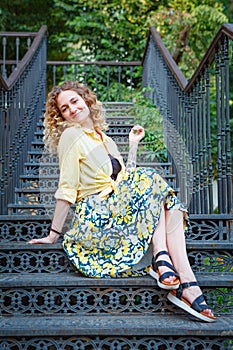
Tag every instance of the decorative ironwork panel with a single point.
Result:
(101, 300)
(120, 120)
(210, 229)
(29, 210)
(117, 109)
(37, 146)
(201, 230)
(211, 261)
(35, 261)
(116, 343)
(19, 260)
(20, 230)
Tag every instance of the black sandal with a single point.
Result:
(196, 308)
(154, 272)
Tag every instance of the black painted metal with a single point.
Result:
(14, 46)
(188, 112)
(121, 342)
(111, 81)
(22, 97)
(21, 258)
(59, 293)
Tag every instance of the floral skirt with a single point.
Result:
(110, 236)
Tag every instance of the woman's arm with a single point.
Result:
(135, 136)
(61, 210)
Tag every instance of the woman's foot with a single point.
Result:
(190, 298)
(164, 272)
(52, 238)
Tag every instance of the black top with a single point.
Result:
(116, 167)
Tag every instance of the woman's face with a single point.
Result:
(74, 109)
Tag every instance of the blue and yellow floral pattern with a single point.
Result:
(109, 236)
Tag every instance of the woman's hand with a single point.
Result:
(52, 238)
(60, 214)
(136, 133)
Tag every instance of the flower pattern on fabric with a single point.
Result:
(109, 236)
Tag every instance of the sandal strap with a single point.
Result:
(166, 275)
(156, 265)
(196, 304)
(162, 252)
(179, 291)
(189, 284)
(167, 264)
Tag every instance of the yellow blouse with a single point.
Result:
(85, 167)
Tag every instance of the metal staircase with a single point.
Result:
(46, 304)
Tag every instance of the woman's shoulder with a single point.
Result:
(70, 134)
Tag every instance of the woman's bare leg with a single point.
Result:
(159, 243)
(176, 245)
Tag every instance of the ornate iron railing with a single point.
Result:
(196, 120)
(111, 81)
(22, 97)
(14, 47)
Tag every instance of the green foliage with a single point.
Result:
(103, 30)
(187, 29)
(148, 115)
(117, 29)
(26, 15)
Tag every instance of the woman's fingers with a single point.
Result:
(136, 133)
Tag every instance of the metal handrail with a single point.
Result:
(111, 80)
(187, 108)
(180, 78)
(226, 29)
(13, 78)
(18, 34)
(97, 63)
(22, 98)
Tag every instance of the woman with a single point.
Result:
(120, 210)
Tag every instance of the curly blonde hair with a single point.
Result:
(55, 124)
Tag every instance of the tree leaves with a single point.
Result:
(187, 29)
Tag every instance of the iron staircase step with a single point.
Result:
(55, 176)
(114, 326)
(121, 141)
(18, 257)
(114, 332)
(73, 279)
(114, 129)
(111, 120)
(69, 293)
(11, 243)
(38, 157)
(205, 228)
(142, 161)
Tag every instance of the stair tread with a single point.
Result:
(191, 216)
(14, 245)
(161, 325)
(40, 142)
(51, 176)
(110, 125)
(38, 163)
(74, 279)
(30, 206)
